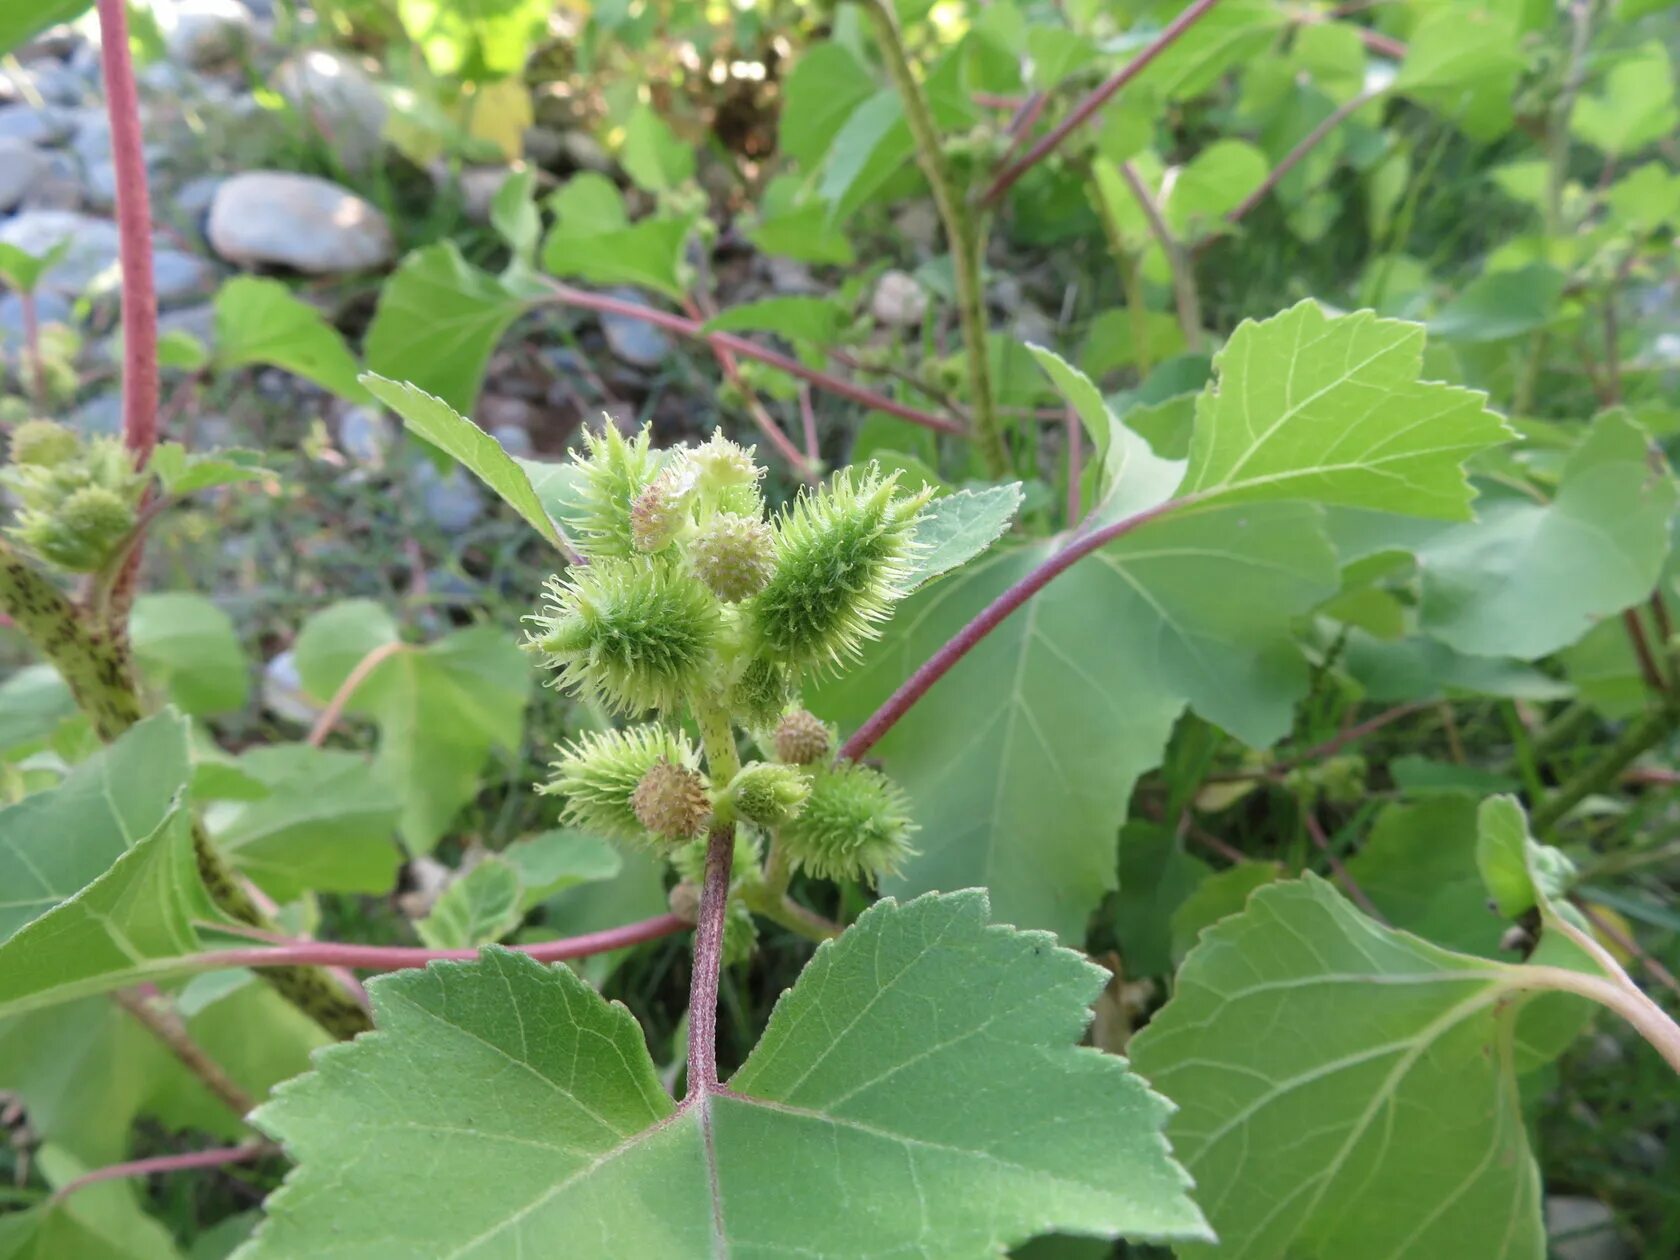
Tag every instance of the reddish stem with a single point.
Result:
(987, 620)
(134, 225)
(32, 345)
(1343, 876)
(1648, 669)
(219, 1157)
(1099, 97)
(347, 690)
(1377, 42)
(708, 963)
(1298, 154)
(808, 419)
(608, 304)
(763, 419)
(398, 957)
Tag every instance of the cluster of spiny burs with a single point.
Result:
(76, 501)
(692, 603)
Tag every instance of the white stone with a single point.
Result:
(20, 167)
(898, 300)
(91, 260)
(203, 33)
(1582, 1229)
(297, 221)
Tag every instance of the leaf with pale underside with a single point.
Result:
(445, 428)
(918, 1092)
(1329, 408)
(955, 528)
(1345, 1089)
(480, 906)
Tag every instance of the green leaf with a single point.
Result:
(1210, 185)
(652, 154)
(439, 320)
(513, 213)
(259, 321)
(475, 40)
(480, 906)
(187, 646)
(1156, 875)
(20, 269)
(952, 1101)
(1230, 33)
(593, 240)
(815, 321)
(33, 701)
(555, 861)
(1636, 106)
(1520, 874)
(441, 709)
(824, 88)
(1464, 65)
(1330, 408)
(181, 473)
(445, 428)
(1646, 198)
(1342, 1085)
(1418, 867)
(955, 528)
(1216, 898)
(872, 147)
(1529, 578)
(1501, 305)
(324, 823)
(1108, 442)
(1020, 761)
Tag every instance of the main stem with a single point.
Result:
(962, 232)
(723, 763)
(134, 226)
(1656, 723)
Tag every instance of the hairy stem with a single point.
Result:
(400, 957)
(1642, 734)
(161, 1020)
(723, 763)
(219, 1157)
(134, 224)
(987, 620)
(1185, 295)
(962, 233)
(567, 295)
(1099, 97)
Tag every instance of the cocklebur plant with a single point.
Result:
(76, 500)
(693, 604)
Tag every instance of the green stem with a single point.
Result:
(1645, 733)
(1131, 276)
(962, 232)
(1186, 297)
(97, 670)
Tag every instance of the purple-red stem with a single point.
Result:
(1343, 876)
(398, 957)
(1648, 669)
(219, 1157)
(585, 300)
(32, 345)
(708, 963)
(134, 226)
(808, 419)
(987, 620)
(1099, 97)
(763, 419)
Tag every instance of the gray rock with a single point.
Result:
(1580, 1228)
(297, 221)
(34, 124)
(584, 152)
(60, 85)
(283, 693)
(451, 500)
(20, 167)
(179, 277)
(898, 301)
(479, 186)
(365, 436)
(544, 145)
(918, 223)
(100, 415)
(92, 258)
(635, 341)
(788, 275)
(340, 102)
(203, 34)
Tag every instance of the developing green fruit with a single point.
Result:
(842, 562)
(671, 801)
(855, 825)
(658, 515)
(802, 738)
(632, 635)
(80, 534)
(599, 774)
(761, 693)
(721, 466)
(615, 472)
(43, 444)
(732, 555)
(768, 795)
